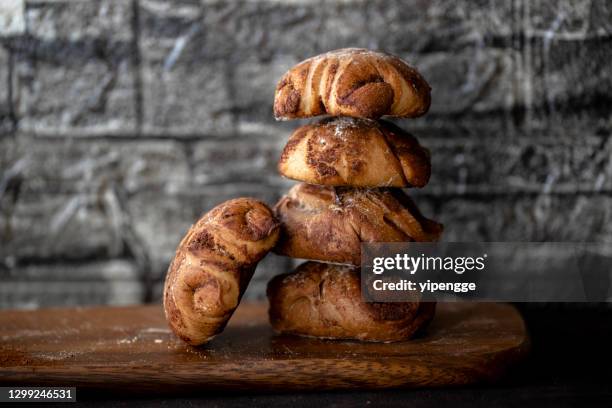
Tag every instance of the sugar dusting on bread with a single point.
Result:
(356, 152)
(329, 223)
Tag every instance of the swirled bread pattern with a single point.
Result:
(213, 265)
(352, 82)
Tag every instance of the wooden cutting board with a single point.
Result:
(131, 349)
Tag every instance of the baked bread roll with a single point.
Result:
(213, 265)
(324, 300)
(330, 223)
(352, 82)
(346, 151)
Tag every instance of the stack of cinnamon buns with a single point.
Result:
(352, 167)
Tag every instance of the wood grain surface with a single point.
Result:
(132, 349)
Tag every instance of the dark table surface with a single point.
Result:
(570, 365)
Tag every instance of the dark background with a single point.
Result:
(122, 121)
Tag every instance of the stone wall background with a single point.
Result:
(121, 121)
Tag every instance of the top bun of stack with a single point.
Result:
(352, 82)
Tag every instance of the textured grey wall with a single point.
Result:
(122, 121)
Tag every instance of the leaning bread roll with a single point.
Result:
(324, 300)
(213, 265)
(344, 151)
(330, 223)
(352, 82)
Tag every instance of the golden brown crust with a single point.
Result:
(352, 82)
(213, 265)
(346, 151)
(324, 300)
(330, 223)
